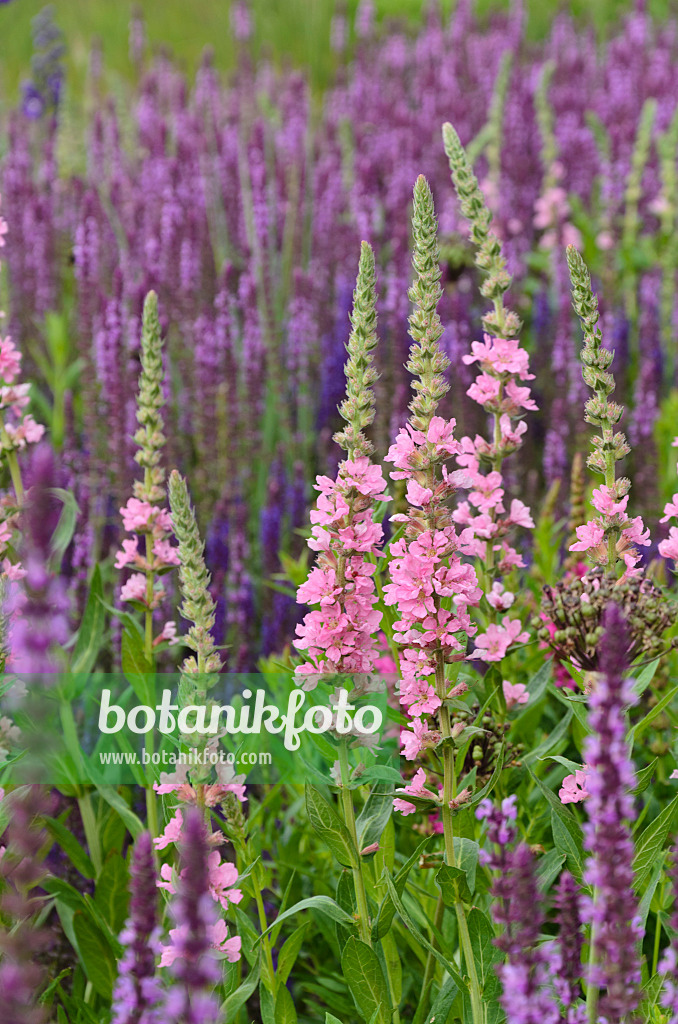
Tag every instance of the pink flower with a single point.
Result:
(636, 533)
(405, 444)
(420, 697)
(10, 360)
(417, 787)
(494, 643)
(519, 398)
(485, 389)
(136, 514)
(604, 500)
(217, 933)
(590, 535)
(519, 515)
(163, 550)
(365, 477)
(500, 355)
(573, 789)
(172, 833)
(514, 693)
(670, 509)
(499, 598)
(128, 554)
(418, 495)
(669, 548)
(222, 878)
(135, 588)
(441, 433)
(169, 634)
(13, 572)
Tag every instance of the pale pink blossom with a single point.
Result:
(605, 501)
(494, 643)
(500, 598)
(136, 514)
(519, 398)
(418, 495)
(172, 833)
(519, 515)
(636, 533)
(514, 693)
(573, 789)
(590, 535)
(135, 588)
(128, 554)
(163, 550)
(10, 360)
(500, 356)
(485, 389)
(669, 548)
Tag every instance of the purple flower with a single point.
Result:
(613, 911)
(190, 1000)
(137, 992)
(526, 994)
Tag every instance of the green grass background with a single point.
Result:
(288, 30)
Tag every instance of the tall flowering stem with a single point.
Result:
(430, 586)
(143, 515)
(614, 962)
(137, 993)
(502, 365)
(612, 535)
(341, 636)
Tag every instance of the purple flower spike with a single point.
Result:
(607, 836)
(190, 1000)
(137, 993)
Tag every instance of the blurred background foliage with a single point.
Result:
(296, 31)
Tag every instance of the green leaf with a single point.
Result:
(566, 842)
(564, 816)
(284, 1008)
(548, 868)
(651, 843)
(65, 528)
(323, 904)
(96, 955)
(640, 727)
(443, 1003)
(445, 963)
(650, 888)
(381, 773)
(111, 895)
(372, 820)
(91, 632)
(387, 909)
(365, 978)
(135, 666)
(644, 777)
(289, 953)
(134, 824)
(237, 999)
(453, 885)
(330, 828)
(485, 952)
(331, 1019)
(71, 847)
(645, 677)
(539, 682)
(555, 737)
(266, 1005)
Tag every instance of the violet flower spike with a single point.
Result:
(614, 961)
(137, 993)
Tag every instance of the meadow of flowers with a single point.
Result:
(372, 390)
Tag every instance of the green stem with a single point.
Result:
(151, 801)
(270, 979)
(349, 820)
(591, 989)
(448, 831)
(431, 960)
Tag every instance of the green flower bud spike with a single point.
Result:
(501, 322)
(427, 362)
(150, 437)
(358, 406)
(194, 579)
